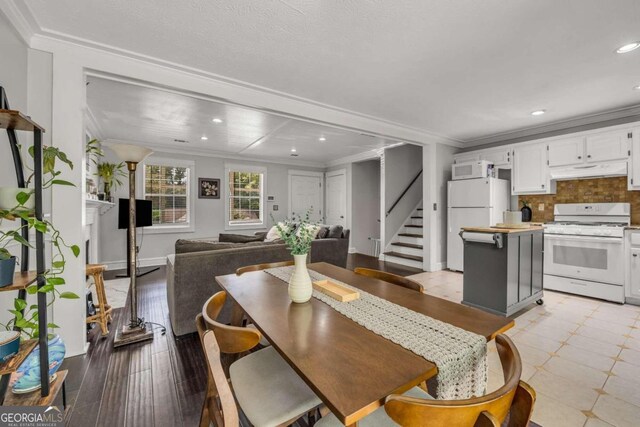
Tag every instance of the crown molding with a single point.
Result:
(20, 19)
(558, 128)
(191, 151)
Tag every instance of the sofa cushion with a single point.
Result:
(240, 238)
(323, 233)
(335, 232)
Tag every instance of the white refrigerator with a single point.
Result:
(477, 202)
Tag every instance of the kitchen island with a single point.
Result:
(503, 268)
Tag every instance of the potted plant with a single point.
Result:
(298, 233)
(111, 175)
(526, 211)
(25, 315)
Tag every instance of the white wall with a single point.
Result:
(444, 160)
(209, 213)
(365, 203)
(401, 165)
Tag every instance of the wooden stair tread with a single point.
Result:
(410, 235)
(11, 365)
(34, 398)
(407, 245)
(419, 209)
(414, 226)
(21, 280)
(405, 256)
(417, 217)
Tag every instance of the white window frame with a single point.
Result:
(190, 226)
(247, 168)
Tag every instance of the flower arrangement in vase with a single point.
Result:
(298, 233)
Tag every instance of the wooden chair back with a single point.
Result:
(515, 398)
(259, 267)
(391, 278)
(231, 339)
(220, 406)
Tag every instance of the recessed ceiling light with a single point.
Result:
(628, 47)
(538, 112)
(293, 150)
(217, 120)
(204, 138)
(636, 87)
(322, 138)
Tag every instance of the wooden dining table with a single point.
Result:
(351, 369)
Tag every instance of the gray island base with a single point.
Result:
(503, 268)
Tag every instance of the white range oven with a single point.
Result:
(584, 250)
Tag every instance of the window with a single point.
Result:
(167, 186)
(245, 196)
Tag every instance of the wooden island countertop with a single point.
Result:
(502, 230)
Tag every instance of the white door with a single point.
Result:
(608, 146)
(336, 209)
(634, 169)
(530, 169)
(305, 192)
(470, 193)
(456, 219)
(565, 152)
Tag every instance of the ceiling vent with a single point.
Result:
(182, 141)
(294, 155)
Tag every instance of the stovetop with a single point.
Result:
(587, 223)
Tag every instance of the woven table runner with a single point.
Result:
(460, 355)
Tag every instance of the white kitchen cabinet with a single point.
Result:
(565, 152)
(500, 157)
(466, 157)
(530, 170)
(607, 146)
(634, 162)
(632, 285)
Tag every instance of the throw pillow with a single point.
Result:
(335, 232)
(274, 234)
(239, 238)
(323, 233)
(313, 230)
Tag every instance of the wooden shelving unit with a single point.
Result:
(13, 121)
(11, 365)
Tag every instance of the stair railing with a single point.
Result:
(408, 187)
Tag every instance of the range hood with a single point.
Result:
(599, 170)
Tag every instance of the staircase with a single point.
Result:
(406, 246)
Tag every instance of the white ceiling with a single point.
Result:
(156, 117)
(462, 68)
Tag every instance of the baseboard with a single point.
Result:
(142, 262)
(352, 250)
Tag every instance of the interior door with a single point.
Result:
(336, 209)
(305, 192)
(608, 146)
(566, 152)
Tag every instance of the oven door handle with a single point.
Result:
(590, 239)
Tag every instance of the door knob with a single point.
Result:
(341, 217)
(579, 157)
(635, 255)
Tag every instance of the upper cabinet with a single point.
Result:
(530, 170)
(607, 146)
(565, 152)
(634, 161)
(466, 157)
(500, 157)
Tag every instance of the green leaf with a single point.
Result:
(16, 314)
(22, 324)
(62, 182)
(46, 288)
(31, 290)
(52, 326)
(18, 238)
(19, 304)
(69, 295)
(76, 250)
(57, 264)
(22, 197)
(56, 281)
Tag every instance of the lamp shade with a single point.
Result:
(131, 153)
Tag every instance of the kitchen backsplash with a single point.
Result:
(598, 190)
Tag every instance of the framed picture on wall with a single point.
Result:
(208, 188)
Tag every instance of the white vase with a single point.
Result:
(300, 288)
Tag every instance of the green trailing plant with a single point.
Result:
(93, 151)
(298, 232)
(25, 315)
(112, 175)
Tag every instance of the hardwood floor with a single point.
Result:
(158, 383)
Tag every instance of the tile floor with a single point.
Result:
(581, 355)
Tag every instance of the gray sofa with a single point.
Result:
(191, 271)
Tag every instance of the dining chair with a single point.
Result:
(259, 267)
(514, 400)
(267, 389)
(390, 278)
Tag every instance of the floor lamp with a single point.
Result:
(136, 330)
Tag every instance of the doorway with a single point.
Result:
(336, 208)
(305, 193)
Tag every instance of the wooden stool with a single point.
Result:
(103, 316)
